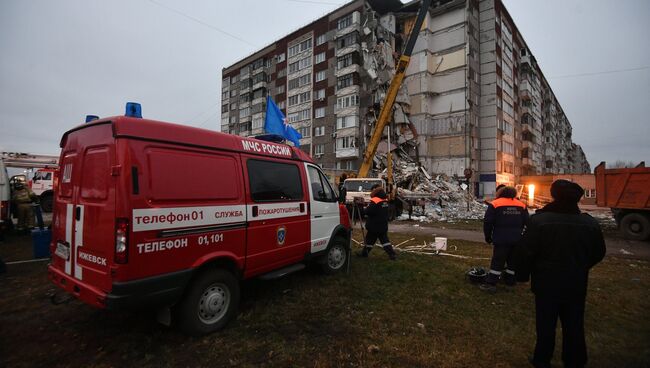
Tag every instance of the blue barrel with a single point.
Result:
(41, 242)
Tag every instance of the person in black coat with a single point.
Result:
(377, 223)
(559, 247)
(503, 225)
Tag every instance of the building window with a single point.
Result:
(343, 122)
(224, 95)
(233, 106)
(319, 149)
(258, 122)
(590, 193)
(345, 142)
(299, 116)
(233, 119)
(345, 61)
(320, 76)
(300, 81)
(319, 58)
(321, 39)
(293, 100)
(344, 22)
(305, 132)
(319, 112)
(300, 47)
(282, 73)
(344, 81)
(508, 148)
(260, 107)
(300, 64)
(280, 89)
(300, 98)
(347, 40)
(224, 108)
(508, 167)
(244, 112)
(345, 165)
(224, 120)
(319, 95)
(280, 57)
(347, 101)
(281, 104)
(319, 131)
(233, 93)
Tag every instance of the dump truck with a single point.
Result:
(627, 192)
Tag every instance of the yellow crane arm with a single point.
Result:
(391, 95)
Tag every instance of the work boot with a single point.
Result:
(390, 251)
(509, 278)
(364, 253)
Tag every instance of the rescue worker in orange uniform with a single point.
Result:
(377, 223)
(503, 226)
(23, 197)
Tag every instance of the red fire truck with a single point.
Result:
(155, 214)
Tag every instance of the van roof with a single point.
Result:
(137, 128)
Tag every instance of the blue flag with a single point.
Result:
(276, 123)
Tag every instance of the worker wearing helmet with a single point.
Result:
(377, 223)
(23, 197)
(503, 225)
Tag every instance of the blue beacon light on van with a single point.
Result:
(91, 118)
(133, 109)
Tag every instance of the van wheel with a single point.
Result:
(46, 202)
(210, 303)
(336, 257)
(635, 226)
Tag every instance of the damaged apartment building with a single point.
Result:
(473, 97)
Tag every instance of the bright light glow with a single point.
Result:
(531, 194)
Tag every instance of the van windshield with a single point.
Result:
(360, 185)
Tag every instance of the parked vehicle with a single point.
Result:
(172, 217)
(5, 197)
(627, 192)
(42, 185)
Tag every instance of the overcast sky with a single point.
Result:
(62, 60)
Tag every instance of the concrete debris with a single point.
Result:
(436, 197)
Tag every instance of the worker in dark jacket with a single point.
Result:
(558, 249)
(377, 223)
(503, 225)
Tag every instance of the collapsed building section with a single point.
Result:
(474, 101)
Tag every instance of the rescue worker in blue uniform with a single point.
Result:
(377, 224)
(559, 247)
(503, 225)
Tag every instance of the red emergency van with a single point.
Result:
(155, 214)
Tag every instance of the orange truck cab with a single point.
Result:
(159, 215)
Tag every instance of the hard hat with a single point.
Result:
(476, 275)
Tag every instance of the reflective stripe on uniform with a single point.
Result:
(510, 272)
(495, 272)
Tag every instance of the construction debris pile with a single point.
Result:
(430, 198)
(426, 197)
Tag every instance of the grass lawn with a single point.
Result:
(416, 312)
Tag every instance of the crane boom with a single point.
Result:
(391, 95)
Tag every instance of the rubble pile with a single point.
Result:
(435, 197)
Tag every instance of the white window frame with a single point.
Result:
(319, 112)
(321, 75)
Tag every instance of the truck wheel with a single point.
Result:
(336, 257)
(210, 303)
(46, 202)
(635, 226)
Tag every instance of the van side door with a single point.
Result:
(324, 209)
(278, 220)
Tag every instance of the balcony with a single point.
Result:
(354, 68)
(260, 84)
(525, 90)
(347, 152)
(527, 162)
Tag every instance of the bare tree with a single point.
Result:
(620, 164)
